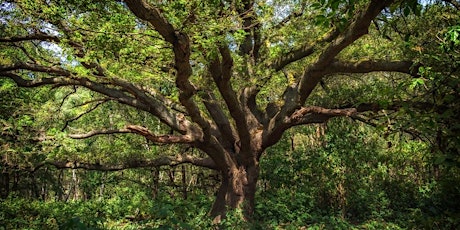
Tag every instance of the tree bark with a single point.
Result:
(237, 191)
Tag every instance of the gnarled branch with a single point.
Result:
(368, 66)
(136, 129)
(221, 74)
(316, 114)
(181, 48)
(357, 28)
(295, 95)
(139, 98)
(320, 110)
(220, 119)
(99, 132)
(303, 51)
(153, 15)
(166, 139)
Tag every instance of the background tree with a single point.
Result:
(209, 71)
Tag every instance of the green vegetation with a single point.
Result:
(321, 182)
(136, 114)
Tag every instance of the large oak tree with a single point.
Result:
(243, 70)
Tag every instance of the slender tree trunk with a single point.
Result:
(155, 181)
(34, 186)
(16, 177)
(184, 182)
(5, 184)
(237, 191)
(75, 185)
(44, 185)
(59, 187)
(172, 182)
(102, 187)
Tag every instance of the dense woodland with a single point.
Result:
(230, 114)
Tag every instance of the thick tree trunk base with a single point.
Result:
(237, 191)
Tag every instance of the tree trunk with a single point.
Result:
(102, 187)
(59, 187)
(155, 181)
(237, 191)
(5, 184)
(75, 185)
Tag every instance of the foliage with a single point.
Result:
(437, 51)
(351, 181)
(339, 180)
(114, 213)
(225, 80)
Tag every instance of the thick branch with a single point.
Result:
(181, 48)
(161, 161)
(162, 139)
(156, 104)
(302, 52)
(254, 116)
(358, 27)
(295, 95)
(153, 15)
(221, 74)
(187, 90)
(313, 118)
(219, 117)
(316, 114)
(320, 110)
(139, 98)
(371, 66)
(99, 132)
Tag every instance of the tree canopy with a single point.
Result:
(230, 77)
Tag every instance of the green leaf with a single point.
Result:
(320, 20)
